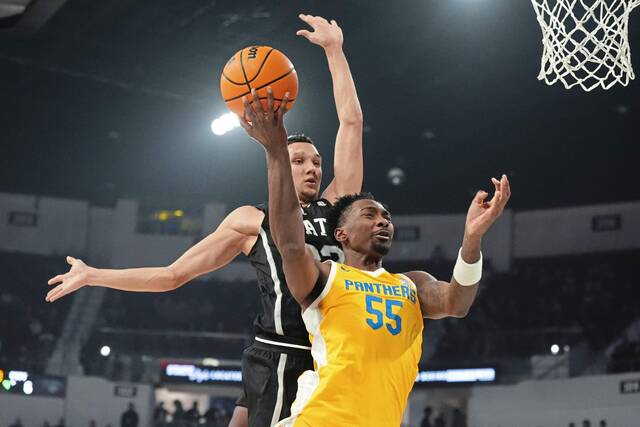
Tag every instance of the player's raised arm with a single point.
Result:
(440, 299)
(237, 233)
(285, 218)
(348, 162)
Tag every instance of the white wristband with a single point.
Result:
(467, 274)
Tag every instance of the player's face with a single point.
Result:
(306, 166)
(367, 228)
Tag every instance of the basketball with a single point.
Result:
(257, 67)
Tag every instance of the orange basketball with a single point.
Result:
(256, 67)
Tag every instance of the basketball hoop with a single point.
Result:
(585, 42)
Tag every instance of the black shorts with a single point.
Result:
(270, 381)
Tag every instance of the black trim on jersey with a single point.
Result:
(280, 319)
(317, 289)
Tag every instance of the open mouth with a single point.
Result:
(383, 235)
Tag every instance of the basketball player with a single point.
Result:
(366, 323)
(281, 351)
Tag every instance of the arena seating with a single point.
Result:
(30, 325)
(562, 300)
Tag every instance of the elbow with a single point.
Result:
(288, 245)
(173, 280)
(291, 250)
(354, 119)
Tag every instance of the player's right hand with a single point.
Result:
(326, 34)
(266, 126)
(73, 280)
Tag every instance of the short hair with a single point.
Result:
(335, 217)
(299, 137)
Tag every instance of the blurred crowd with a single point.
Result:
(30, 326)
(566, 300)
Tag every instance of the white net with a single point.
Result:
(585, 42)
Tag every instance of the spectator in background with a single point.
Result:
(586, 423)
(603, 423)
(129, 417)
(92, 423)
(160, 415)
(46, 424)
(439, 421)
(16, 423)
(212, 415)
(572, 424)
(426, 417)
(178, 413)
(459, 419)
(193, 414)
(60, 423)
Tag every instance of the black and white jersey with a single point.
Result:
(281, 319)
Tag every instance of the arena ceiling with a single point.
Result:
(114, 98)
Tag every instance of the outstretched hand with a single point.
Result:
(482, 214)
(326, 34)
(265, 126)
(75, 279)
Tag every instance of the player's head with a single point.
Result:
(306, 165)
(361, 224)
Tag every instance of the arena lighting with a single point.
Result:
(224, 124)
(27, 387)
(15, 377)
(18, 376)
(396, 176)
(555, 349)
(209, 361)
(105, 350)
(471, 375)
(202, 374)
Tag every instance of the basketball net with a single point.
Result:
(585, 42)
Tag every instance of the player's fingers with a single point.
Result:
(245, 124)
(496, 206)
(70, 260)
(59, 278)
(321, 19)
(496, 183)
(256, 104)
(53, 293)
(248, 109)
(306, 18)
(480, 197)
(284, 106)
(506, 187)
(304, 33)
(270, 101)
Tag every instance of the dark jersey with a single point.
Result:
(281, 318)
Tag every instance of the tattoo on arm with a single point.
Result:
(433, 299)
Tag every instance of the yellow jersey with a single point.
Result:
(366, 334)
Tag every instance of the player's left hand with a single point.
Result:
(326, 34)
(482, 214)
(265, 125)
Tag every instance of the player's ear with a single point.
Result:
(340, 235)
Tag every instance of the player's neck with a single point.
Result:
(303, 202)
(367, 262)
